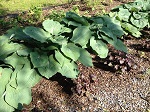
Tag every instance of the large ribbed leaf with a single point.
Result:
(124, 14)
(61, 40)
(17, 33)
(111, 27)
(54, 27)
(140, 23)
(71, 50)
(115, 27)
(15, 60)
(108, 32)
(100, 47)
(23, 51)
(38, 59)
(61, 58)
(77, 18)
(81, 35)
(98, 20)
(27, 77)
(133, 30)
(18, 96)
(50, 69)
(36, 33)
(119, 45)
(3, 39)
(7, 49)
(4, 107)
(5, 75)
(13, 80)
(85, 58)
(69, 70)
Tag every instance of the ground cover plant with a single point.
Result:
(133, 16)
(31, 52)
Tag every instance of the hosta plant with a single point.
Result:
(29, 53)
(133, 16)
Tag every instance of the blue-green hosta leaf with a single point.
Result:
(95, 26)
(71, 50)
(113, 14)
(130, 28)
(81, 35)
(17, 96)
(65, 29)
(140, 23)
(70, 70)
(5, 107)
(119, 45)
(115, 27)
(27, 77)
(134, 6)
(100, 47)
(3, 40)
(137, 15)
(61, 40)
(85, 58)
(36, 33)
(23, 51)
(13, 80)
(131, 7)
(74, 23)
(77, 18)
(17, 33)
(148, 21)
(124, 14)
(53, 27)
(115, 22)
(61, 58)
(1, 69)
(108, 32)
(98, 20)
(15, 60)
(50, 48)
(111, 27)
(127, 6)
(5, 74)
(139, 4)
(7, 49)
(65, 20)
(38, 59)
(50, 69)
(146, 6)
(116, 30)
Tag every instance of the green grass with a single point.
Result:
(22, 5)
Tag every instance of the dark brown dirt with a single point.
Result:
(100, 88)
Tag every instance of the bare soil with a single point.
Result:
(104, 87)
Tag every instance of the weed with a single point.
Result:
(56, 15)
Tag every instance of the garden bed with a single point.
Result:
(100, 88)
(108, 86)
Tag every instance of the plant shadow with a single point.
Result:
(66, 83)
